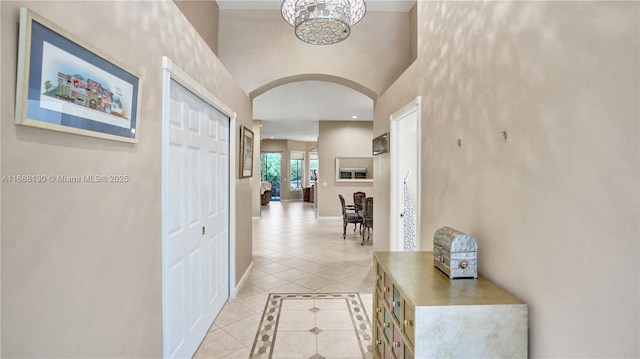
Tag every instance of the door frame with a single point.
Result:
(395, 195)
(172, 72)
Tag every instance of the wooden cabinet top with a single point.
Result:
(424, 285)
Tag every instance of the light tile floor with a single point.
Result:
(293, 252)
(314, 326)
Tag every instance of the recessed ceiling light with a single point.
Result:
(271, 137)
(354, 116)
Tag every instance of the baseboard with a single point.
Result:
(323, 218)
(242, 280)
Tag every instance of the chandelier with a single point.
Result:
(322, 22)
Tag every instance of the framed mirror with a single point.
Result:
(354, 169)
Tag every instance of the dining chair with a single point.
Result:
(367, 217)
(358, 197)
(349, 215)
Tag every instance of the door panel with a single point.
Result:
(177, 318)
(195, 276)
(216, 209)
(196, 268)
(405, 178)
(213, 283)
(175, 194)
(223, 191)
(194, 186)
(212, 199)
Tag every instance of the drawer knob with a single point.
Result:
(378, 277)
(396, 304)
(386, 289)
(378, 342)
(378, 310)
(407, 323)
(396, 344)
(387, 325)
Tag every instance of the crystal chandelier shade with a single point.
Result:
(322, 22)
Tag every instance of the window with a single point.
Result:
(313, 166)
(296, 169)
(270, 172)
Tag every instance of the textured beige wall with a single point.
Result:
(555, 207)
(259, 47)
(413, 33)
(203, 16)
(340, 139)
(81, 263)
(403, 91)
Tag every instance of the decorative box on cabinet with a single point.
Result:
(420, 313)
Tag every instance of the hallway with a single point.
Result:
(293, 252)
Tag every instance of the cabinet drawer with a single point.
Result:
(379, 309)
(408, 322)
(379, 278)
(397, 344)
(386, 324)
(386, 290)
(379, 342)
(387, 354)
(396, 304)
(407, 353)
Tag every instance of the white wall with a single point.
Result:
(555, 207)
(81, 263)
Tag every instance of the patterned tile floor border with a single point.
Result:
(267, 334)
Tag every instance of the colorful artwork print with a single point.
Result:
(246, 153)
(78, 88)
(67, 85)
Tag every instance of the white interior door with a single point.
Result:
(195, 219)
(405, 178)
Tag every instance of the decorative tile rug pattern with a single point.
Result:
(313, 326)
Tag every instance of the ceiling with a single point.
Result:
(293, 111)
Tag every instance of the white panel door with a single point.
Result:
(216, 211)
(196, 258)
(405, 178)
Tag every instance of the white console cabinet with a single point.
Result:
(420, 313)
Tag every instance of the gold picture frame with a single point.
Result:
(246, 153)
(67, 85)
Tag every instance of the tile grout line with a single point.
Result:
(291, 240)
